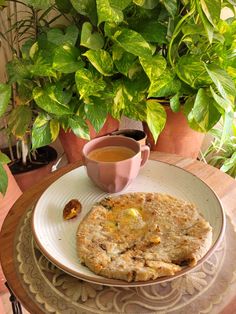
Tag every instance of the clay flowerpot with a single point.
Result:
(6, 202)
(177, 136)
(73, 145)
(34, 172)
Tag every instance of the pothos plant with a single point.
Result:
(115, 56)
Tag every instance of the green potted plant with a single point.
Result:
(147, 59)
(128, 58)
(28, 166)
(222, 156)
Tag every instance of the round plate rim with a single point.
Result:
(121, 283)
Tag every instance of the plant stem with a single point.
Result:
(177, 31)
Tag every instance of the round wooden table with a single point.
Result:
(223, 185)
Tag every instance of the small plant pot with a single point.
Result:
(73, 145)
(32, 173)
(138, 135)
(177, 136)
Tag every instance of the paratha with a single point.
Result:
(142, 236)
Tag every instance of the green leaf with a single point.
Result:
(101, 60)
(19, 120)
(39, 4)
(88, 83)
(123, 60)
(152, 31)
(108, 12)
(41, 133)
(60, 94)
(212, 9)
(147, 4)
(136, 89)
(120, 4)
(156, 118)
(86, 8)
(224, 105)
(120, 99)
(207, 25)
(59, 38)
(153, 66)
(96, 112)
(3, 181)
(64, 5)
(18, 70)
(4, 159)
(136, 111)
(175, 103)
(67, 60)
(228, 122)
(230, 163)
(165, 86)
(54, 129)
(133, 42)
(192, 71)
(79, 127)
(223, 82)
(90, 39)
(46, 99)
(5, 96)
(204, 111)
(171, 6)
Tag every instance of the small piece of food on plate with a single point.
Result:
(142, 236)
(72, 209)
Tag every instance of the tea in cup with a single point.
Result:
(113, 162)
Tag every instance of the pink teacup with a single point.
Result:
(114, 176)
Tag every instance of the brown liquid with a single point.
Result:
(111, 153)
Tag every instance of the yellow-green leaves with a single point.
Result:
(123, 60)
(52, 99)
(79, 127)
(45, 131)
(192, 71)
(86, 8)
(156, 118)
(19, 120)
(89, 38)
(153, 66)
(211, 9)
(66, 59)
(5, 95)
(133, 42)
(58, 37)
(4, 179)
(96, 112)
(101, 60)
(88, 83)
(204, 113)
(109, 11)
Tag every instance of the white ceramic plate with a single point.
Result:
(57, 237)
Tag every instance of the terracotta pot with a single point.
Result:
(6, 202)
(26, 179)
(73, 145)
(177, 136)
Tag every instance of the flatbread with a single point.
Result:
(142, 236)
